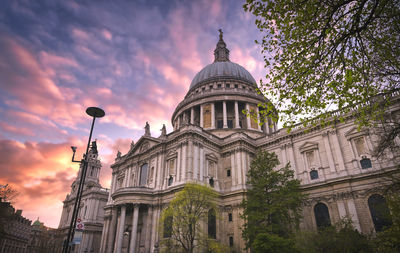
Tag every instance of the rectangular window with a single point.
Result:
(228, 173)
(220, 123)
(236, 86)
(230, 123)
(228, 85)
(365, 163)
(143, 174)
(229, 216)
(219, 85)
(314, 174)
(231, 241)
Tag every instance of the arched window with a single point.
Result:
(379, 212)
(168, 227)
(143, 174)
(212, 224)
(321, 213)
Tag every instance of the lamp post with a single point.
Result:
(95, 112)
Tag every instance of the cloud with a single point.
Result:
(41, 172)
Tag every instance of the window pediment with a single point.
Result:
(172, 154)
(308, 146)
(211, 157)
(353, 133)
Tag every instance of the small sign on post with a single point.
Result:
(79, 224)
(77, 237)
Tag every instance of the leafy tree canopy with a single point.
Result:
(273, 205)
(184, 216)
(324, 55)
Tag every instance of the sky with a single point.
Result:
(133, 59)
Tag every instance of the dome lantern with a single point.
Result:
(221, 53)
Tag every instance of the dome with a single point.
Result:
(37, 223)
(222, 69)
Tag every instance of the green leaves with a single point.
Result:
(273, 204)
(324, 55)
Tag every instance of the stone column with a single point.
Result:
(183, 162)
(128, 179)
(134, 228)
(292, 160)
(338, 150)
(237, 115)
(178, 164)
(111, 232)
(125, 181)
(196, 161)
(189, 168)
(179, 121)
(104, 234)
(212, 115)
(248, 118)
(353, 214)
(201, 116)
(329, 152)
(201, 153)
(148, 229)
(224, 114)
(121, 229)
(243, 169)
(258, 119)
(153, 228)
(192, 115)
(233, 167)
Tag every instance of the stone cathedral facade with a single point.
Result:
(213, 143)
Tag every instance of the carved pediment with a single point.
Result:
(212, 157)
(172, 154)
(354, 132)
(143, 145)
(308, 145)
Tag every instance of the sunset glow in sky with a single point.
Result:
(134, 59)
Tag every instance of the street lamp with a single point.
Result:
(95, 112)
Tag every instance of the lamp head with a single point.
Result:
(73, 148)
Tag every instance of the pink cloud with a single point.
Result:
(16, 130)
(39, 171)
(52, 60)
(80, 35)
(31, 87)
(106, 34)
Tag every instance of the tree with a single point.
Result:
(272, 209)
(181, 221)
(8, 193)
(339, 238)
(324, 55)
